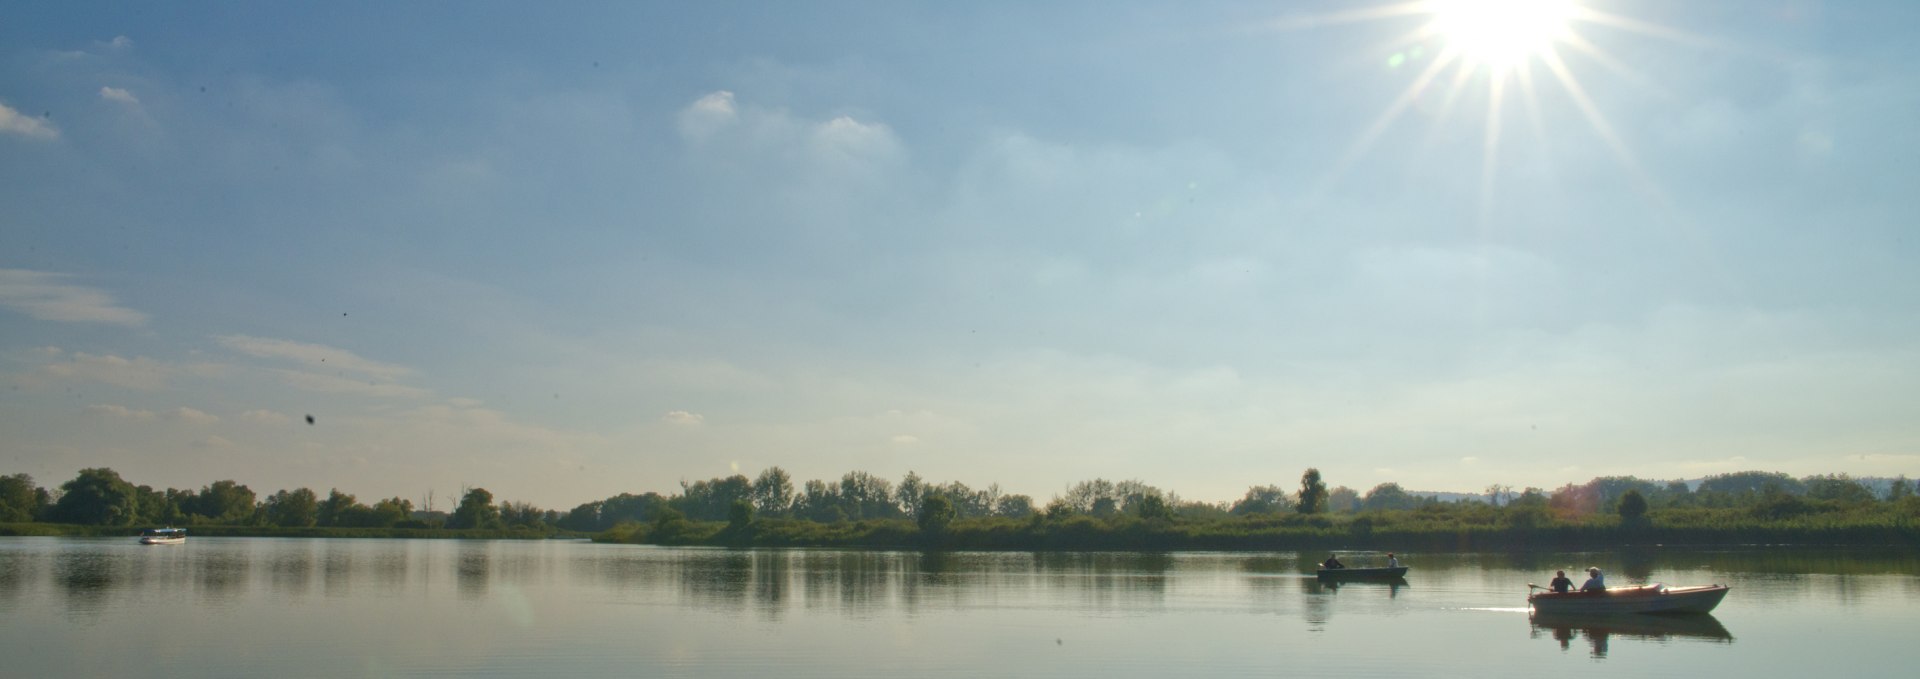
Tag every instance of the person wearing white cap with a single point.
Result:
(1594, 583)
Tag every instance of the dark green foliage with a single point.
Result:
(1633, 507)
(1151, 507)
(773, 492)
(1313, 492)
(224, 502)
(740, 515)
(476, 510)
(1261, 500)
(20, 500)
(296, 508)
(935, 514)
(98, 496)
(1837, 488)
(710, 500)
(1388, 496)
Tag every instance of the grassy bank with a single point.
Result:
(71, 530)
(1441, 528)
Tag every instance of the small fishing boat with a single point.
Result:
(1650, 598)
(163, 536)
(1383, 573)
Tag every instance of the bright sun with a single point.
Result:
(1501, 35)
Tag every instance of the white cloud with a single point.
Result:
(192, 416)
(904, 439)
(119, 95)
(708, 115)
(120, 412)
(850, 140)
(14, 122)
(136, 373)
(266, 417)
(337, 384)
(42, 295)
(120, 42)
(214, 442)
(312, 355)
(683, 418)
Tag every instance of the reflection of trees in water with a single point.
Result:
(717, 579)
(336, 569)
(473, 570)
(87, 577)
(1107, 580)
(13, 569)
(291, 571)
(220, 573)
(1318, 609)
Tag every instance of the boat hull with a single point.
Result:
(162, 541)
(1640, 599)
(1362, 573)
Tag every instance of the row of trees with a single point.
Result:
(100, 497)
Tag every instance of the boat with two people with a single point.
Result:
(163, 536)
(1649, 598)
(1332, 569)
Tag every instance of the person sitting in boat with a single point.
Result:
(1392, 561)
(1561, 584)
(1332, 562)
(1596, 582)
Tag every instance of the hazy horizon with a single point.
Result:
(564, 252)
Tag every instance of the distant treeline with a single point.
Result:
(864, 510)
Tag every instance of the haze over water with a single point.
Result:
(304, 607)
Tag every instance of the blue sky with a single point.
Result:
(565, 252)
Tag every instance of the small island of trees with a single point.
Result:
(863, 510)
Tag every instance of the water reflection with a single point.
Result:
(1599, 630)
(473, 571)
(87, 577)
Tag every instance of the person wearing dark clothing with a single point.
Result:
(1560, 583)
(1332, 562)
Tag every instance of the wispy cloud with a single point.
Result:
(46, 296)
(191, 416)
(134, 373)
(120, 412)
(708, 115)
(338, 384)
(266, 417)
(15, 122)
(312, 356)
(116, 94)
(683, 418)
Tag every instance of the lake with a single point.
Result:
(219, 607)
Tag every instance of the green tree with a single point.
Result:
(1633, 507)
(224, 502)
(1013, 506)
(292, 508)
(773, 492)
(20, 500)
(1837, 488)
(1343, 500)
(476, 510)
(1151, 506)
(334, 510)
(935, 514)
(1313, 492)
(739, 516)
(1261, 500)
(1897, 491)
(98, 496)
(1389, 495)
(392, 511)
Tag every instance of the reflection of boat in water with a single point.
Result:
(1325, 586)
(1660, 627)
(1367, 574)
(163, 536)
(1601, 629)
(1653, 598)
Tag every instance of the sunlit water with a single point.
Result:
(300, 607)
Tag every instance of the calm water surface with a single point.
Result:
(303, 607)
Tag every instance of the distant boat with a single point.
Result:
(1393, 573)
(163, 536)
(1652, 598)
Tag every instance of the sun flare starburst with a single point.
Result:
(1500, 35)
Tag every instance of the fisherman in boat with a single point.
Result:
(1595, 583)
(1560, 584)
(1332, 562)
(1392, 561)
